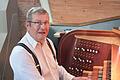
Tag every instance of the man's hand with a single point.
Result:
(80, 78)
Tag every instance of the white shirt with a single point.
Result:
(23, 64)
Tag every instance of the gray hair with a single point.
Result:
(34, 10)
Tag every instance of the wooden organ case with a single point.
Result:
(82, 50)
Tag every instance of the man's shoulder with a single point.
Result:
(18, 48)
(49, 40)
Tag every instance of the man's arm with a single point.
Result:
(23, 65)
(64, 75)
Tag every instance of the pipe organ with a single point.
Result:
(88, 52)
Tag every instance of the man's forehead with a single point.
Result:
(41, 18)
(40, 15)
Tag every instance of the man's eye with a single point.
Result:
(46, 22)
(37, 22)
(40, 23)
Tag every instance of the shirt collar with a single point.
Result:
(31, 40)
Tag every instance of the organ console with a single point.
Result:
(82, 51)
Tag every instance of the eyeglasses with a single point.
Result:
(39, 23)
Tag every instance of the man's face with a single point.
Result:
(38, 27)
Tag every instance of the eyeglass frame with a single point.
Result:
(39, 23)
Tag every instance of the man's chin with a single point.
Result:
(42, 37)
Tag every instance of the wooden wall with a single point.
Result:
(15, 15)
(83, 12)
(24, 6)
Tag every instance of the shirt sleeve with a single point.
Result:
(23, 66)
(64, 75)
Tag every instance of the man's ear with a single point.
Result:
(27, 24)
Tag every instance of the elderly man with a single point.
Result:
(34, 56)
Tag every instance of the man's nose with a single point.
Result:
(42, 26)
